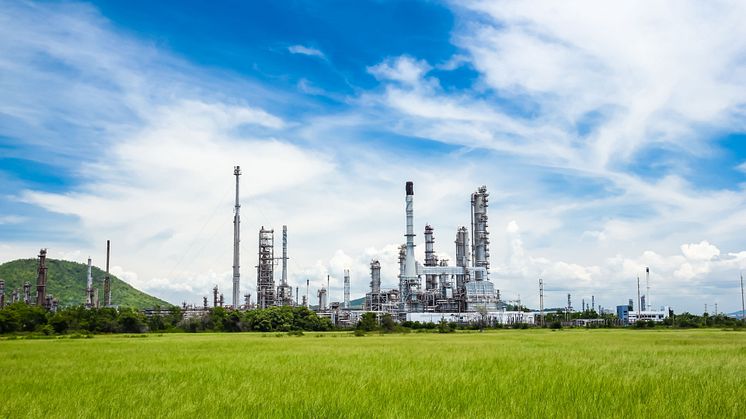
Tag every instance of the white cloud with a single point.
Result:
(304, 50)
(12, 219)
(402, 69)
(701, 251)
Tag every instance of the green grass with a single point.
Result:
(504, 373)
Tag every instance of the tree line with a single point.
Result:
(24, 318)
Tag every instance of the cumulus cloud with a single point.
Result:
(701, 251)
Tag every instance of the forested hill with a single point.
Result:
(66, 281)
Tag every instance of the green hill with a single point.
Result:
(357, 303)
(66, 281)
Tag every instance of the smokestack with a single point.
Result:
(647, 289)
(285, 255)
(409, 277)
(347, 289)
(410, 268)
(89, 287)
(107, 280)
(236, 241)
(638, 298)
(41, 280)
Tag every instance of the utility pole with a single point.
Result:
(541, 300)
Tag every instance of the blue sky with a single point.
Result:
(611, 138)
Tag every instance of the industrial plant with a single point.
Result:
(429, 291)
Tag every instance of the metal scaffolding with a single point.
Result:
(265, 281)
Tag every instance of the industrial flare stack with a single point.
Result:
(236, 242)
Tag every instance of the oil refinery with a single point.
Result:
(429, 291)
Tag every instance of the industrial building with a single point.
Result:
(462, 293)
(430, 291)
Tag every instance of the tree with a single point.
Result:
(388, 324)
(130, 321)
(368, 322)
(445, 327)
(482, 310)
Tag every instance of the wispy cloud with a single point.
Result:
(304, 50)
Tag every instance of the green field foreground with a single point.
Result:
(503, 373)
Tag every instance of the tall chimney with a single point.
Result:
(236, 241)
(107, 280)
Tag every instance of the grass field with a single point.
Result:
(504, 373)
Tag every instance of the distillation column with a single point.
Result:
(265, 282)
(480, 235)
(89, 287)
(284, 291)
(41, 280)
(346, 305)
(462, 254)
(374, 298)
(236, 241)
(431, 281)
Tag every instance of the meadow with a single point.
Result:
(500, 373)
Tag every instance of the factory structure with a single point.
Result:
(432, 290)
(429, 291)
(627, 314)
(41, 298)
